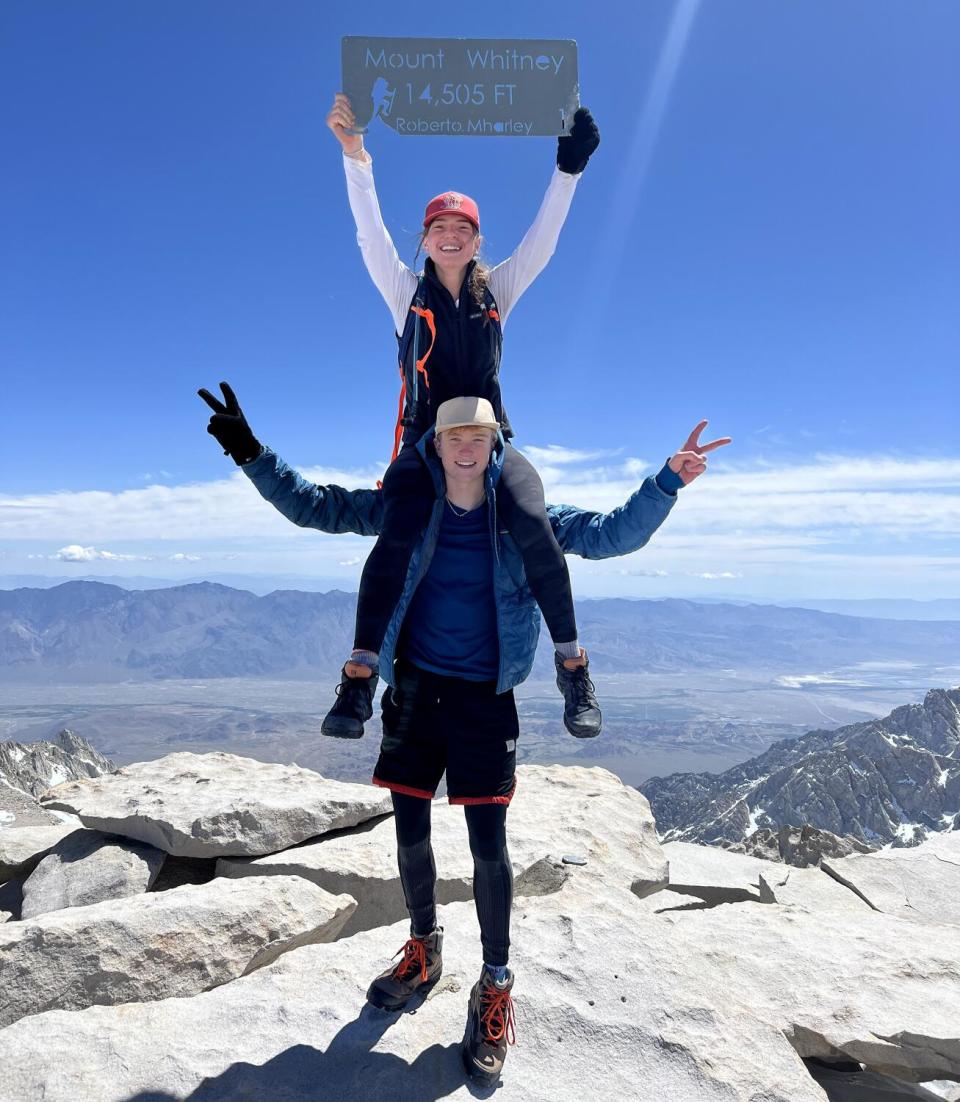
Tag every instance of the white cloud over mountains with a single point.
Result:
(839, 518)
(76, 553)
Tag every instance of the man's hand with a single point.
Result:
(230, 427)
(691, 460)
(340, 120)
(574, 149)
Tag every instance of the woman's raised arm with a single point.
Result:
(392, 278)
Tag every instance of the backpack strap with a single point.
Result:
(411, 335)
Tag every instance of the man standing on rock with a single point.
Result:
(463, 635)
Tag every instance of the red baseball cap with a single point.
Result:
(452, 202)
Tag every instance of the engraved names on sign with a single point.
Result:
(463, 86)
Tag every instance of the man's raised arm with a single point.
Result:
(595, 535)
(327, 508)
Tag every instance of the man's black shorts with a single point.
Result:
(433, 723)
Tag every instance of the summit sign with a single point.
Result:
(462, 86)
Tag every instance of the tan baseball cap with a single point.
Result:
(459, 413)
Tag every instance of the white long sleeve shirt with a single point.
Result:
(508, 280)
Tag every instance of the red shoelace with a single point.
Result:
(497, 1015)
(414, 956)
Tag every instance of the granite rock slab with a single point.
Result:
(920, 883)
(700, 1006)
(159, 945)
(23, 847)
(557, 812)
(88, 867)
(216, 805)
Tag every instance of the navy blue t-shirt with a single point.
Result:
(451, 626)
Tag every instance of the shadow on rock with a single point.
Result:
(348, 1069)
(849, 1082)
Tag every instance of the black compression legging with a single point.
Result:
(408, 497)
(492, 871)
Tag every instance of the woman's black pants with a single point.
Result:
(492, 871)
(408, 497)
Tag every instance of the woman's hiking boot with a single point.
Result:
(420, 968)
(489, 1028)
(581, 712)
(354, 705)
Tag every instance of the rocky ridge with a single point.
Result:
(894, 781)
(33, 768)
(722, 977)
(28, 831)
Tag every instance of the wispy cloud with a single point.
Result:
(554, 455)
(75, 553)
(219, 511)
(833, 517)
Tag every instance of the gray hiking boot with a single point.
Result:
(489, 1028)
(420, 968)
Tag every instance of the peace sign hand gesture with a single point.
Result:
(230, 427)
(691, 460)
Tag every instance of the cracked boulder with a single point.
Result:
(217, 805)
(921, 883)
(88, 867)
(587, 815)
(159, 945)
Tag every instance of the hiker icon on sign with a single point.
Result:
(383, 96)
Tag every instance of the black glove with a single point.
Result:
(574, 149)
(230, 427)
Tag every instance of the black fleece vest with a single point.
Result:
(458, 347)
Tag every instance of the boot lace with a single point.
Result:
(351, 693)
(497, 1015)
(580, 687)
(414, 956)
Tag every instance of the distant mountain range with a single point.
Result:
(261, 584)
(893, 780)
(883, 608)
(88, 631)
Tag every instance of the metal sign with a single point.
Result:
(463, 86)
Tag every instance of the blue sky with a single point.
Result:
(767, 236)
